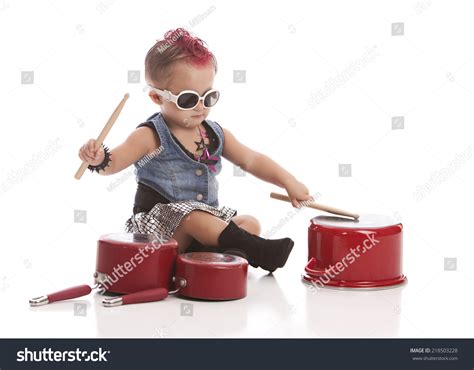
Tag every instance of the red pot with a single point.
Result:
(143, 269)
(212, 276)
(363, 253)
(203, 275)
(129, 263)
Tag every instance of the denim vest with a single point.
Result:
(172, 173)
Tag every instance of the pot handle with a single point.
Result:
(310, 268)
(62, 295)
(149, 295)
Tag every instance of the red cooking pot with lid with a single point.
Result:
(348, 253)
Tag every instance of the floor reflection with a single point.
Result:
(354, 313)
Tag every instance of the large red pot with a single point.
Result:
(347, 253)
(128, 263)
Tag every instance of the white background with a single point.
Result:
(323, 81)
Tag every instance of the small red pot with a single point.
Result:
(347, 253)
(212, 276)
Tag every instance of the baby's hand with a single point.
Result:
(297, 191)
(91, 156)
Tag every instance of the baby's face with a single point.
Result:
(184, 76)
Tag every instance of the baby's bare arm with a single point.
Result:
(140, 142)
(264, 168)
(253, 162)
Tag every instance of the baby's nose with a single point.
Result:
(200, 106)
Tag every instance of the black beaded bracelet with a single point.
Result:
(105, 162)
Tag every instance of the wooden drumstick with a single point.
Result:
(103, 134)
(314, 205)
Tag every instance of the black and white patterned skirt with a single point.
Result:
(163, 219)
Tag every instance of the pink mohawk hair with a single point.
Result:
(177, 44)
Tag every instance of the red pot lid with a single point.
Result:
(365, 221)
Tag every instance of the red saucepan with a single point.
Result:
(202, 275)
(362, 253)
(146, 269)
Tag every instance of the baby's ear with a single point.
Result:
(155, 98)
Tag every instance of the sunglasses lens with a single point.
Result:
(188, 100)
(211, 99)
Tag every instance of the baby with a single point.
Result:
(177, 156)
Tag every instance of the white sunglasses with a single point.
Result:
(188, 99)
